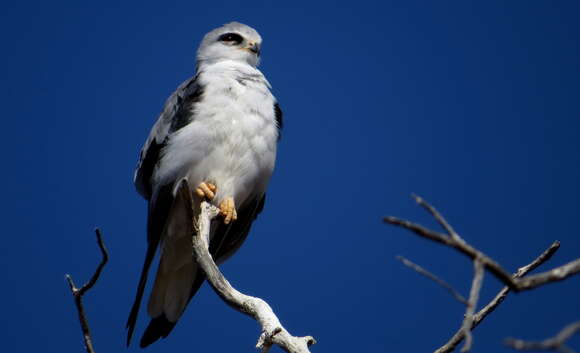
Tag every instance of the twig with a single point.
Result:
(79, 292)
(554, 275)
(514, 282)
(545, 256)
(434, 278)
(499, 298)
(272, 330)
(438, 217)
(472, 304)
(462, 246)
(556, 343)
(531, 282)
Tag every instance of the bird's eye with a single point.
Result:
(231, 38)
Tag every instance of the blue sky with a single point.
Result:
(472, 105)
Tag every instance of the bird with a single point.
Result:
(219, 131)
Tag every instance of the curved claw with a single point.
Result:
(228, 210)
(206, 190)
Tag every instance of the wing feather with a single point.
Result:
(175, 115)
(279, 119)
(228, 238)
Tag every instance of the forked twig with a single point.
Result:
(481, 262)
(472, 304)
(557, 274)
(79, 292)
(498, 299)
(438, 217)
(556, 343)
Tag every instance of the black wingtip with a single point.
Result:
(158, 327)
(132, 320)
(130, 327)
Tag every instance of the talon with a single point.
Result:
(206, 190)
(228, 210)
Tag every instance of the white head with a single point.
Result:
(232, 41)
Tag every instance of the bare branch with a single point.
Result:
(460, 245)
(545, 256)
(434, 278)
(472, 304)
(556, 343)
(79, 292)
(512, 282)
(554, 275)
(557, 274)
(438, 217)
(499, 298)
(272, 330)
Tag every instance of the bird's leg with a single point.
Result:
(206, 190)
(228, 210)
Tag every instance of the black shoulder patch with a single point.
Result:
(279, 119)
(148, 163)
(191, 95)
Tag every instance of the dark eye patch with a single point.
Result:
(231, 38)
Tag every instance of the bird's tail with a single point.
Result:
(178, 278)
(169, 298)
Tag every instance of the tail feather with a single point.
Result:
(158, 327)
(161, 327)
(178, 291)
(159, 207)
(176, 272)
(178, 277)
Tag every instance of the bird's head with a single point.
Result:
(232, 41)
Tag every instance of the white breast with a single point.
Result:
(231, 140)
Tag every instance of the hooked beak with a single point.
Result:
(254, 48)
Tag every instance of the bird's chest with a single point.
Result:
(238, 115)
(231, 140)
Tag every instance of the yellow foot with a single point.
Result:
(228, 210)
(206, 190)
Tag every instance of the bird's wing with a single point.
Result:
(279, 119)
(175, 115)
(228, 238)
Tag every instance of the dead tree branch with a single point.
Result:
(438, 217)
(78, 293)
(476, 284)
(516, 284)
(554, 275)
(460, 245)
(556, 343)
(498, 299)
(434, 278)
(272, 330)
(481, 262)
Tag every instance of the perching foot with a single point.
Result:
(228, 210)
(206, 190)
